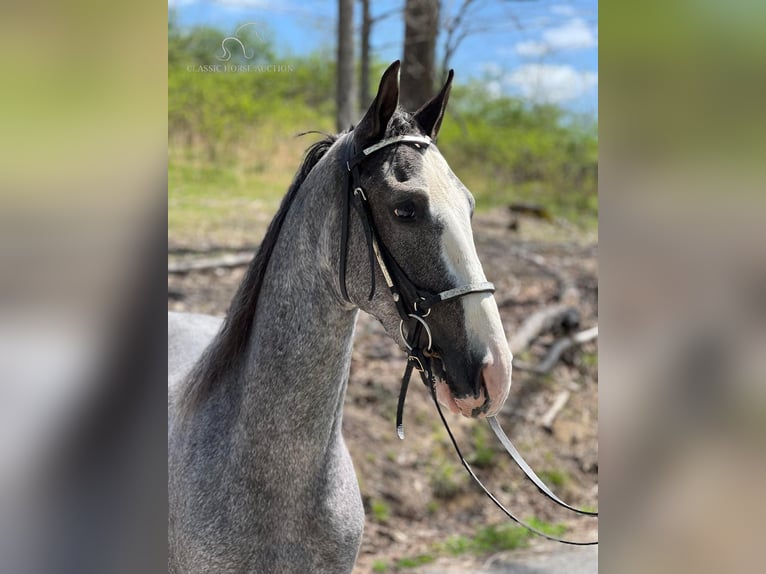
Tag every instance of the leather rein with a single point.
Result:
(414, 305)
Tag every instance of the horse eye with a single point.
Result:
(405, 211)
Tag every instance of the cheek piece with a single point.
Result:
(414, 305)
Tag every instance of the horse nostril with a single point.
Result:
(479, 383)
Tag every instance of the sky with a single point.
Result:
(540, 50)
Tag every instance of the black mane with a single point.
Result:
(229, 344)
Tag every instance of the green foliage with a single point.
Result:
(495, 538)
(505, 150)
(559, 478)
(458, 545)
(415, 561)
(446, 480)
(501, 537)
(380, 510)
(589, 360)
(379, 566)
(547, 527)
(230, 135)
(484, 453)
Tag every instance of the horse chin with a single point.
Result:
(445, 397)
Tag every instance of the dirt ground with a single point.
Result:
(416, 494)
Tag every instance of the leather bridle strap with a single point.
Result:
(522, 464)
(414, 305)
(491, 496)
(424, 304)
(418, 361)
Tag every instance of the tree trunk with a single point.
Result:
(421, 20)
(345, 97)
(364, 75)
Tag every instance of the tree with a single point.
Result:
(364, 67)
(345, 95)
(467, 20)
(365, 39)
(421, 28)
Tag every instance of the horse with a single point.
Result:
(259, 477)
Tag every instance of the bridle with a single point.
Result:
(414, 305)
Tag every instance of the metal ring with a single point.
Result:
(415, 306)
(422, 322)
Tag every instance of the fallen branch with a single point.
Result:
(546, 365)
(550, 415)
(232, 260)
(212, 248)
(550, 318)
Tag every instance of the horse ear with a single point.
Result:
(373, 125)
(430, 116)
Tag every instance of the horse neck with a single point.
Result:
(299, 352)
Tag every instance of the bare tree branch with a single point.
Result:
(542, 321)
(546, 365)
(547, 420)
(202, 264)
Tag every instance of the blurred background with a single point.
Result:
(84, 136)
(522, 117)
(521, 132)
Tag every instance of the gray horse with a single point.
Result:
(259, 478)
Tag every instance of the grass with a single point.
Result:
(557, 478)
(223, 202)
(484, 453)
(496, 538)
(415, 561)
(589, 360)
(380, 510)
(446, 480)
(489, 539)
(231, 197)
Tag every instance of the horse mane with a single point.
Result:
(229, 344)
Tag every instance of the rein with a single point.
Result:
(414, 305)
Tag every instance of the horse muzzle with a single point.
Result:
(488, 391)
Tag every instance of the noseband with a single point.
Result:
(414, 305)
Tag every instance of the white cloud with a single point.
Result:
(532, 49)
(563, 10)
(551, 84)
(573, 35)
(494, 89)
(491, 69)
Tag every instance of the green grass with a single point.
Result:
(380, 511)
(380, 566)
(496, 538)
(484, 453)
(589, 360)
(447, 480)
(415, 561)
(233, 154)
(557, 478)
(218, 203)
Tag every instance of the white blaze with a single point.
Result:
(482, 319)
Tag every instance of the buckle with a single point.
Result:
(418, 364)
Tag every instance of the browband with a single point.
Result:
(414, 305)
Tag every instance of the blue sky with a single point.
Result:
(541, 50)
